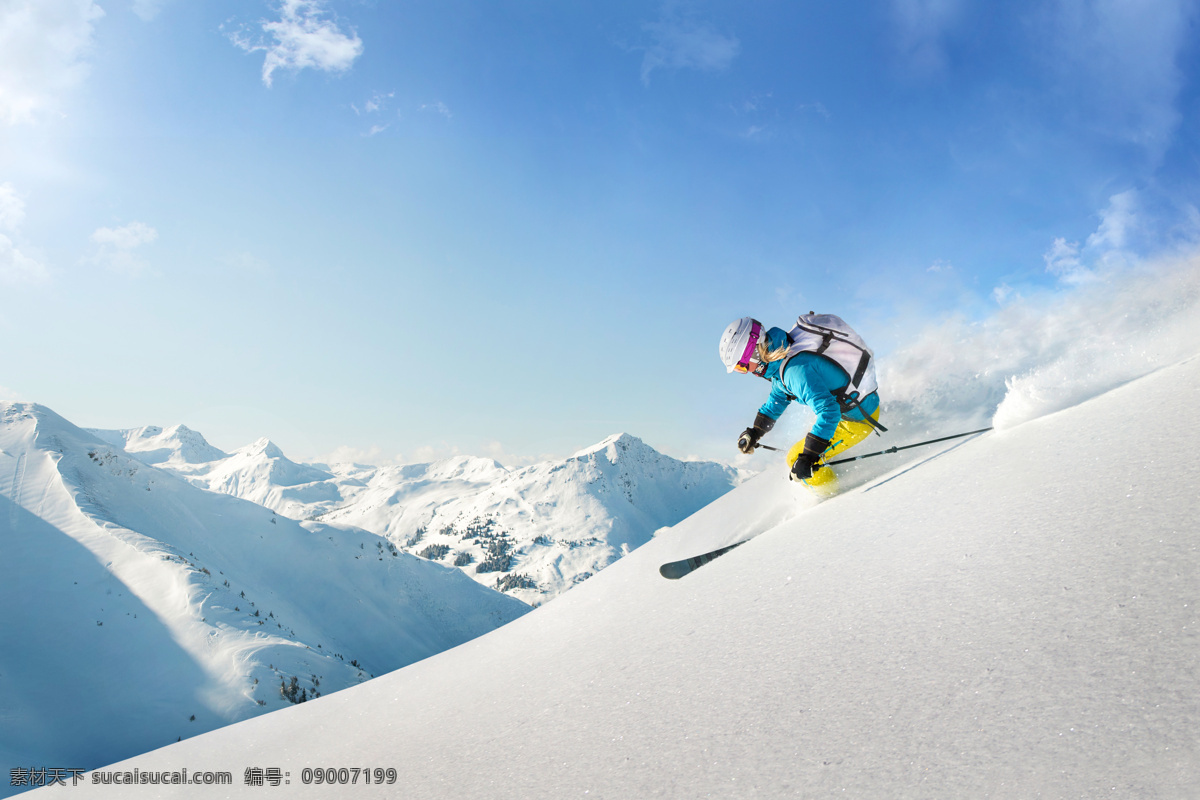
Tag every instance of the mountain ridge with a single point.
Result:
(532, 532)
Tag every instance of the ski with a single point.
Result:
(675, 570)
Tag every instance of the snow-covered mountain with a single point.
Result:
(174, 446)
(532, 532)
(1010, 616)
(137, 609)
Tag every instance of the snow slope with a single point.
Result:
(1011, 616)
(532, 532)
(136, 609)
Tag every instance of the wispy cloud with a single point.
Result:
(248, 263)
(148, 9)
(1118, 222)
(678, 41)
(1109, 245)
(372, 456)
(116, 247)
(761, 117)
(438, 108)
(43, 44)
(429, 453)
(1063, 261)
(303, 37)
(374, 104)
(815, 108)
(497, 452)
(12, 208)
(755, 102)
(1121, 61)
(16, 267)
(922, 27)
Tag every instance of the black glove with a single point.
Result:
(749, 438)
(806, 463)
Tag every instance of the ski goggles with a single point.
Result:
(743, 364)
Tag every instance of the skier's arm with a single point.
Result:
(776, 402)
(806, 378)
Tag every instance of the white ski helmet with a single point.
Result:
(738, 343)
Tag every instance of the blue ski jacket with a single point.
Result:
(812, 380)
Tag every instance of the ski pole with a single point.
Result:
(905, 447)
(890, 449)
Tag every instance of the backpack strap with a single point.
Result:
(827, 337)
(850, 401)
(847, 401)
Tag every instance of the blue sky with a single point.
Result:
(400, 230)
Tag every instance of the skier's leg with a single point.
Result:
(849, 433)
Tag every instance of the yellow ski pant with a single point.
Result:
(849, 433)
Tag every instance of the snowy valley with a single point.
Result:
(154, 592)
(147, 609)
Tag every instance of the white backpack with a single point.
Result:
(828, 335)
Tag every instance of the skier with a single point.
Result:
(823, 364)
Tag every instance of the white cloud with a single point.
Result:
(116, 246)
(1118, 221)
(496, 451)
(376, 129)
(16, 267)
(1188, 228)
(428, 453)
(42, 49)
(303, 37)
(126, 237)
(1109, 245)
(12, 208)
(1062, 258)
(368, 456)
(679, 42)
